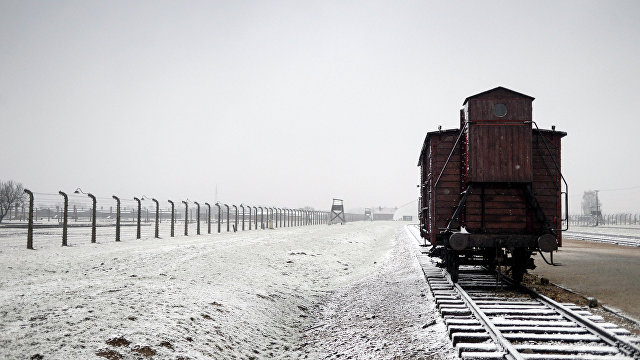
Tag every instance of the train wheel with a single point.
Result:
(520, 259)
(490, 259)
(452, 265)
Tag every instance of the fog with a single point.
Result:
(292, 103)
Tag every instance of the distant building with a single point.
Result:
(383, 213)
(408, 211)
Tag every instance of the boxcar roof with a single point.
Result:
(562, 133)
(430, 134)
(499, 88)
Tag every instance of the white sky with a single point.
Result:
(292, 103)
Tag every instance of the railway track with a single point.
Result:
(488, 319)
(624, 240)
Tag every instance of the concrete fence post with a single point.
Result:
(117, 217)
(64, 217)
(172, 217)
(138, 229)
(280, 218)
(208, 218)
(93, 217)
(197, 217)
(157, 234)
(255, 218)
(242, 207)
(227, 206)
(30, 225)
(235, 227)
(219, 215)
(186, 218)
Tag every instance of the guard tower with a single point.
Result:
(367, 215)
(337, 212)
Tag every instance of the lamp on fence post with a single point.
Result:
(117, 217)
(172, 216)
(197, 217)
(138, 218)
(227, 206)
(261, 217)
(64, 217)
(93, 213)
(255, 220)
(30, 226)
(236, 224)
(186, 218)
(219, 215)
(242, 207)
(208, 218)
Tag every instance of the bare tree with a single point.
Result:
(11, 193)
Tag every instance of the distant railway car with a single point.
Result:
(492, 190)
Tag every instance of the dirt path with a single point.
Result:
(609, 273)
(389, 314)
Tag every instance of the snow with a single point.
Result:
(627, 235)
(283, 293)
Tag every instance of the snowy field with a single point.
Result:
(627, 235)
(306, 292)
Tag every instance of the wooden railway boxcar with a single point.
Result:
(492, 191)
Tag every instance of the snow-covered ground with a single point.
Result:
(305, 292)
(628, 235)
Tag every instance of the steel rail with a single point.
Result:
(496, 335)
(607, 336)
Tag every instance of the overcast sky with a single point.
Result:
(292, 103)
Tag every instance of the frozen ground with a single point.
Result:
(307, 292)
(626, 235)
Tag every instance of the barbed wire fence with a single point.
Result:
(605, 219)
(71, 219)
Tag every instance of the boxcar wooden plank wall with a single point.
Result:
(546, 176)
(440, 200)
(499, 153)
